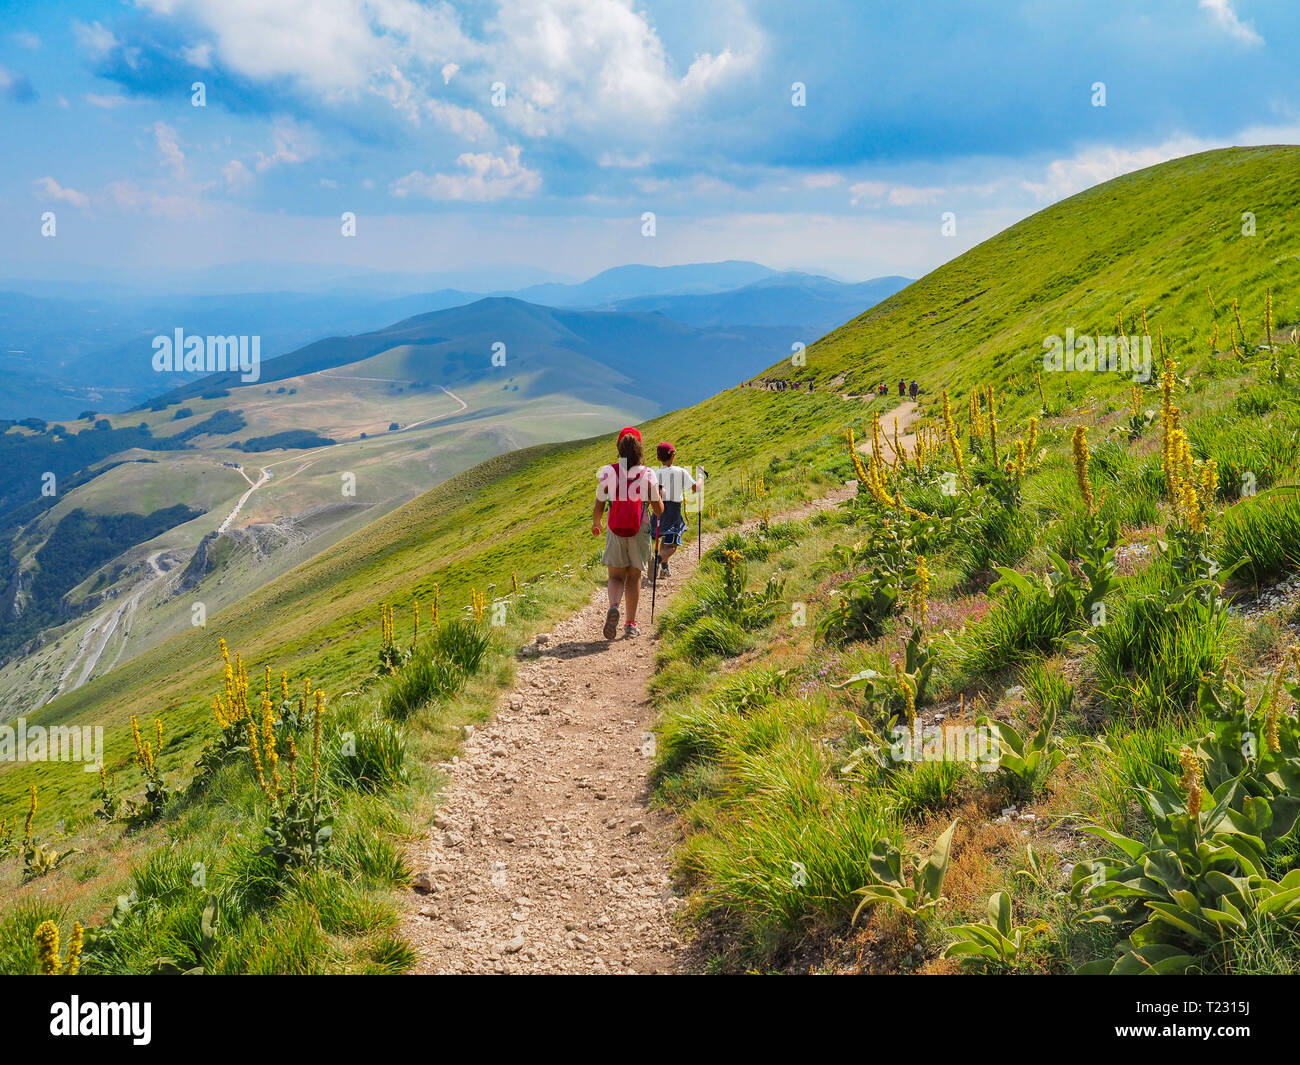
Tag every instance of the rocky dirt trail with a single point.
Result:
(546, 855)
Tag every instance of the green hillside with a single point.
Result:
(1155, 239)
(766, 760)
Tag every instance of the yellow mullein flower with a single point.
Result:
(909, 693)
(47, 949)
(954, 445)
(315, 741)
(75, 944)
(31, 812)
(1209, 480)
(269, 752)
(1079, 446)
(1273, 718)
(1191, 780)
(921, 592)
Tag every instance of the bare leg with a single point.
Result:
(666, 551)
(615, 586)
(633, 583)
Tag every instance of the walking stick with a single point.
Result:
(699, 516)
(654, 577)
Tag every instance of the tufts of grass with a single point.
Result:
(1265, 531)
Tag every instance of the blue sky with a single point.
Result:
(611, 108)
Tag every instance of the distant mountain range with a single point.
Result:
(583, 353)
(89, 346)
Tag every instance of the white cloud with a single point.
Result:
(49, 189)
(827, 180)
(590, 65)
(200, 55)
(1225, 17)
(332, 48)
(292, 142)
(463, 121)
(618, 160)
(697, 186)
(94, 38)
(878, 193)
(108, 101)
(599, 65)
(236, 175)
(482, 177)
(28, 40)
(136, 199)
(169, 150)
(1093, 165)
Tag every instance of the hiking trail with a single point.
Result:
(545, 854)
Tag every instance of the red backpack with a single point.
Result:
(625, 515)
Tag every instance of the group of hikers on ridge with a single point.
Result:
(645, 508)
(904, 389)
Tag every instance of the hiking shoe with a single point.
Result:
(629, 631)
(663, 569)
(611, 623)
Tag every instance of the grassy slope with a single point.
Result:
(1153, 239)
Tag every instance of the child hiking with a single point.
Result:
(632, 492)
(674, 483)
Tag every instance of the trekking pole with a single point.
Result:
(654, 578)
(699, 515)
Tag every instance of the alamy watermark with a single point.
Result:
(1090, 353)
(946, 743)
(20, 742)
(214, 354)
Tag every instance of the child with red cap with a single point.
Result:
(674, 483)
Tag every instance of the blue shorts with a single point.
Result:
(670, 525)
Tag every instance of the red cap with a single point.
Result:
(629, 431)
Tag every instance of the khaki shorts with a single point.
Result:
(624, 552)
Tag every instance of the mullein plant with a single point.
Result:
(1187, 545)
(108, 805)
(1220, 829)
(156, 794)
(38, 859)
(391, 656)
(300, 820)
(900, 692)
(871, 475)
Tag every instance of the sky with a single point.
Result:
(530, 138)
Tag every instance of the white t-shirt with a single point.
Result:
(674, 481)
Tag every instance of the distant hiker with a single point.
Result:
(881, 389)
(902, 387)
(913, 390)
(674, 483)
(632, 492)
